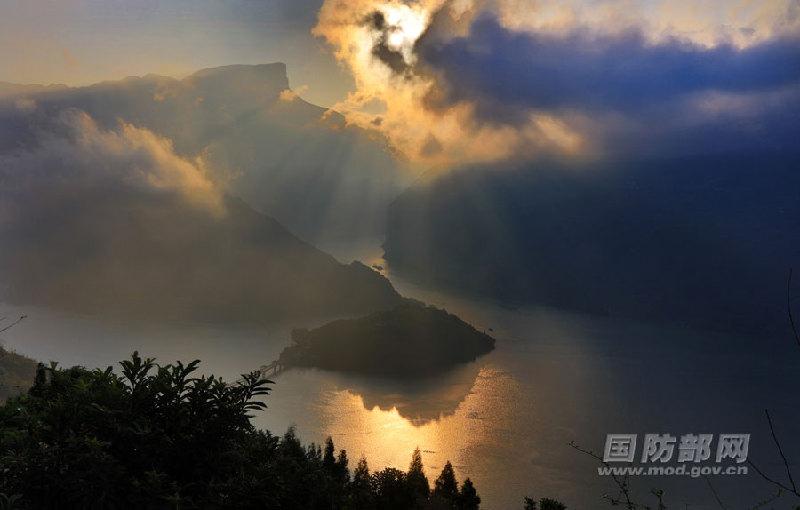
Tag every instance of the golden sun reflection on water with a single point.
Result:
(387, 435)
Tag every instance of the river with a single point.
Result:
(506, 420)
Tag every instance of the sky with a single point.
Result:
(453, 82)
(79, 42)
(527, 78)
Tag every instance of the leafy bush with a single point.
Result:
(152, 436)
(159, 437)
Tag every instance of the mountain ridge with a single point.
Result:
(263, 142)
(703, 241)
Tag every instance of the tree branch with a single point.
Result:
(21, 318)
(770, 480)
(714, 492)
(622, 484)
(762, 504)
(780, 451)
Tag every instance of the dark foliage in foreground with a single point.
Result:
(158, 437)
(544, 504)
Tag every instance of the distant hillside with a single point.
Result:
(16, 89)
(16, 373)
(409, 340)
(155, 257)
(704, 241)
(285, 157)
(97, 219)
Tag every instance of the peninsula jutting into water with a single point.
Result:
(411, 339)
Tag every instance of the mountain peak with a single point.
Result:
(8, 89)
(274, 74)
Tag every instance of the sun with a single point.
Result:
(405, 26)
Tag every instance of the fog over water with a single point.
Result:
(505, 420)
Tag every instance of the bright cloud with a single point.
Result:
(73, 153)
(469, 81)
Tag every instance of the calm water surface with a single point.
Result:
(505, 420)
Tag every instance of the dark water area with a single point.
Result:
(505, 420)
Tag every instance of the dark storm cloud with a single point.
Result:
(623, 92)
(495, 66)
(501, 70)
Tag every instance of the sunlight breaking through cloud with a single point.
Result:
(445, 81)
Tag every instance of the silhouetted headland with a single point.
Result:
(411, 339)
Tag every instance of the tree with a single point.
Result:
(391, 490)
(416, 479)
(551, 504)
(96, 438)
(446, 486)
(328, 459)
(468, 498)
(340, 470)
(158, 437)
(360, 496)
(544, 504)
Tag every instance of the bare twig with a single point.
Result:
(622, 483)
(21, 318)
(779, 485)
(659, 494)
(780, 451)
(763, 503)
(714, 492)
(770, 480)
